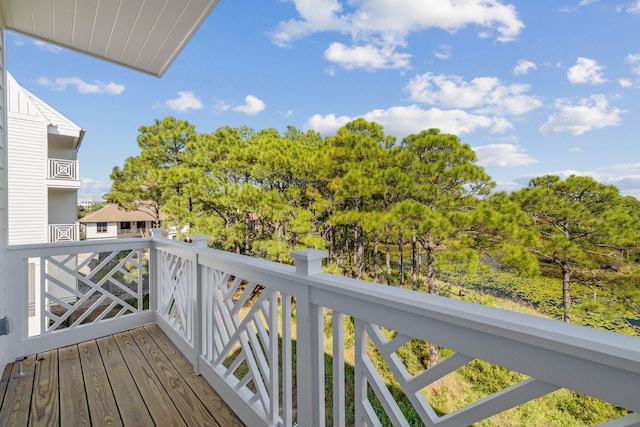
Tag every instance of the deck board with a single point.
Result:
(148, 383)
(102, 403)
(4, 382)
(132, 378)
(14, 410)
(213, 402)
(74, 409)
(45, 403)
(185, 399)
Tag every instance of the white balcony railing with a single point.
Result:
(240, 320)
(64, 232)
(63, 169)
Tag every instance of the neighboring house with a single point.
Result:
(42, 163)
(113, 221)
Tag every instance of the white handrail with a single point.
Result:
(238, 319)
(555, 355)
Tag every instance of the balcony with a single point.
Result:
(63, 173)
(64, 232)
(241, 323)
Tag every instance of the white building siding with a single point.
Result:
(62, 206)
(19, 100)
(27, 175)
(91, 231)
(4, 304)
(61, 150)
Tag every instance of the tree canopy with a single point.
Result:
(580, 225)
(397, 212)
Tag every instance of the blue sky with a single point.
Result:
(535, 87)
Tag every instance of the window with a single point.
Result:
(101, 227)
(141, 225)
(125, 225)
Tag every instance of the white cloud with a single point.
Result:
(634, 60)
(47, 46)
(369, 57)
(403, 121)
(84, 88)
(443, 52)
(524, 67)
(625, 177)
(327, 125)
(252, 106)
(586, 71)
(589, 114)
(384, 26)
(487, 95)
(184, 102)
(634, 7)
(508, 186)
(502, 155)
(221, 106)
(93, 189)
(625, 83)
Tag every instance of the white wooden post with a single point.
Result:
(310, 346)
(199, 242)
(309, 261)
(154, 277)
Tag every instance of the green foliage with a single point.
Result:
(581, 225)
(602, 309)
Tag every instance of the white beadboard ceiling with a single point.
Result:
(146, 35)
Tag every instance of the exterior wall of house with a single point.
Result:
(27, 190)
(91, 231)
(62, 206)
(58, 148)
(4, 339)
(40, 194)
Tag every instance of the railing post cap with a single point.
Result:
(200, 240)
(309, 261)
(309, 254)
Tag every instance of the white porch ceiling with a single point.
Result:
(146, 35)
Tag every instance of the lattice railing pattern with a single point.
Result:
(240, 339)
(414, 384)
(63, 169)
(79, 289)
(176, 289)
(240, 320)
(63, 233)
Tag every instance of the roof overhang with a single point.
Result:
(146, 35)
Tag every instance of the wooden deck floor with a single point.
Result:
(136, 378)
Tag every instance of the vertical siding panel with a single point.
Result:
(27, 160)
(4, 340)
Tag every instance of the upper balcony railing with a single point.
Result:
(243, 322)
(64, 232)
(61, 170)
